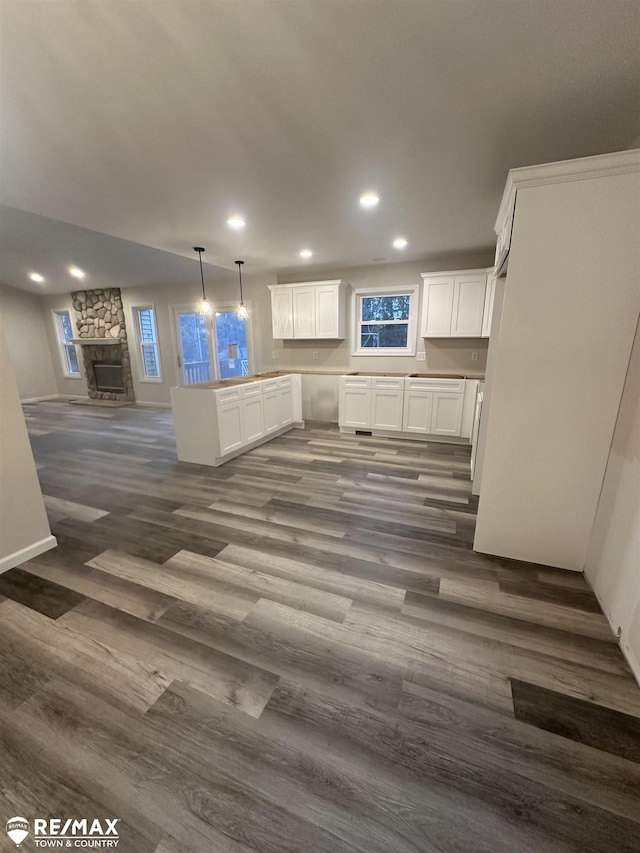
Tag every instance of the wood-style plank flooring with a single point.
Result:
(298, 652)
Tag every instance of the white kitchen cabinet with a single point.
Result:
(453, 304)
(229, 427)
(355, 402)
(488, 306)
(468, 305)
(282, 312)
(417, 408)
(309, 310)
(386, 403)
(285, 400)
(271, 411)
(446, 417)
(214, 424)
(304, 312)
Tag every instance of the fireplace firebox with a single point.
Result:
(109, 377)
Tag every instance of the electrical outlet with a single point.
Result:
(422, 356)
(274, 354)
(315, 353)
(474, 356)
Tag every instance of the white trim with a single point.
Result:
(627, 651)
(39, 399)
(583, 168)
(28, 553)
(411, 290)
(57, 328)
(135, 321)
(308, 283)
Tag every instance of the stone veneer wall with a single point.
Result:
(99, 314)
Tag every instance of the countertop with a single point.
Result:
(273, 374)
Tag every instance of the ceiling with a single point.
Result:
(154, 122)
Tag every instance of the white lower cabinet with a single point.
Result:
(213, 424)
(419, 406)
(386, 403)
(446, 416)
(416, 416)
(229, 427)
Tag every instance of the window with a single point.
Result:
(385, 321)
(64, 332)
(145, 322)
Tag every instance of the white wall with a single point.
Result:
(26, 334)
(24, 528)
(568, 321)
(613, 559)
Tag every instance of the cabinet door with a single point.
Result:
(355, 407)
(328, 314)
(488, 307)
(252, 420)
(446, 416)
(416, 416)
(229, 426)
(282, 312)
(468, 306)
(436, 307)
(386, 410)
(304, 312)
(271, 411)
(285, 406)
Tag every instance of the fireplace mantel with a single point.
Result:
(96, 342)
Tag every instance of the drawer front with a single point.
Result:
(355, 381)
(227, 395)
(285, 381)
(388, 383)
(252, 389)
(269, 385)
(453, 386)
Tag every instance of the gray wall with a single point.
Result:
(25, 329)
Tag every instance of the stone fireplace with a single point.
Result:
(102, 337)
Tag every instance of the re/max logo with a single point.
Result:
(57, 827)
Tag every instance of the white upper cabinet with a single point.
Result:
(453, 304)
(308, 311)
(282, 312)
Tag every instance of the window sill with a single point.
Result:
(155, 381)
(72, 376)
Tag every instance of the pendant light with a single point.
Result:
(242, 309)
(205, 307)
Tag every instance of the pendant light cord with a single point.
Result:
(200, 251)
(240, 275)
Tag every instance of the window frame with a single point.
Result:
(140, 344)
(64, 344)
(360, 293)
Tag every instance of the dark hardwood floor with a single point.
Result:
(298, 652)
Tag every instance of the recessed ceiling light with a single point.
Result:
(400, 243)
(306, 254)
(76, 272)
(35, 276)
(236, 223)
(369, 200)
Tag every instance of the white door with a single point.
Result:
(271, 411)
(416, 417)
(282, 312)
(446, 416)
(229, 426)
(436, 308)
(386, 410)
(327, 313)
(195, 345)
(252, 418)
(304, 312)
(285, 406)
(468, 306)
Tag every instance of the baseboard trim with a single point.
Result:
(28, 553)
(39, 399)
